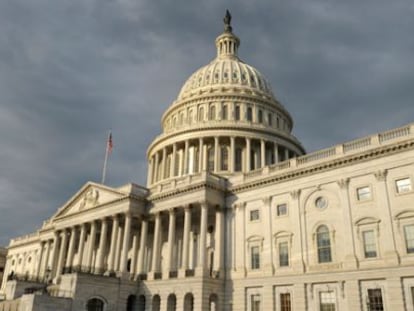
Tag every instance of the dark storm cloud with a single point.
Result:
(71, 70)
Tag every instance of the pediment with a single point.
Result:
(366, 221)
(89, 196)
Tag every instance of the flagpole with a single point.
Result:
(106, 159)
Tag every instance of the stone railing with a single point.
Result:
(25, 238)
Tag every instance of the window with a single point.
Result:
(249, 114)
(260, 116)
(95, 304)
(237, 113)
(327, 301)
(254, 215)
(255, 257)
(283, 254)
(409, 238)
(190, 117)
(224, 158)
(364, 193)
(269, 119)
(285, 304)
(225, 112)
(374, 302)
(255, 302)
(210, 162)
(323, 244)
(370, 247)
(238, 164)
(212, 115)
(403, 185)
(201, 114)
(281, 209)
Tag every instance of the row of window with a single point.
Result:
(261, 116)
(402, 185)
(327, 300)
(324, 246)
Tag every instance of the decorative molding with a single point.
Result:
(295, 194)
(267, 200)
(381, 175)
(343, 183)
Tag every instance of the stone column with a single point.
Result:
(240, 241)
(248, 154)
(186, 237)
(142, 244)
(171, 242)
(216, 155)
(219, 241)
(126, 243)
(62, 253)
(41, 257)
(150, 170)
(173, 155)
(286, 154)
(186, 157)
(200, 154)
(262, 153)
(232, 153)
(203, 236)
(298, 240)
(112, 248)
(134, 253)
(54, 253)
(92, 239)
(268, 242)
(163, 162)
(81, 246)
(46, 259)
(276, 147)
(71, 251)
(156, 246)
(118, 247)
(99, 267)
(155, 177)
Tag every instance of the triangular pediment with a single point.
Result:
(89, 196)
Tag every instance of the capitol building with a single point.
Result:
(235, 216)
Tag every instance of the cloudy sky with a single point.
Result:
(72, 69)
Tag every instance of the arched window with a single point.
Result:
(141, 303)
(156, 303)
(324, 244)
(201, 114)
(213, 302)
(249, 114)
(237, 113)
(171, 302)
(131, 303)
(210, 159)
(212, 115)
(224, 153)
(238, 161)
(95, 304)
(260, 116)
(188, 302)
(190, 117)
(225, 112)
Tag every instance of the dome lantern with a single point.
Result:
(227, 43)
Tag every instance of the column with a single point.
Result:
(171, 242)
(248, 154)
(41, 255)
(142, 244)
(155, 177)
(286, 154)
(186, 157)
(276, 147)
(81, 246)
(54, 253)
(299, 245)
(163, 162)
(186, 236)
(112, 248)
(99, 267)
(134, 254)
(240, 240)
(203, 236)
(172, 167)
(69, 261)
(216, 155)
(156, 245)
(150, 170)
(125, 244)
(46, 259)
(268, 243)
(91, 247)
(118, 247)
(200, 154)
(62, 253)
(262, 153)
(232, 152)
(219, 241)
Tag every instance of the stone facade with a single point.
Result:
(235, 216)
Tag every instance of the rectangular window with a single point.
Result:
(254, 214)
(364, 193)
(409, 238)
(269, 119)
(237, 113)
(260, 116)
(285, 304)
(403, 185)
(224, 158)
(370, 247)
(255, 257)
(412, 295)
(255, 302)
(283, 254)
(249, 114)
(281, 209)
(239, 160)
(374, 302)
(327, 301)
(224, 112)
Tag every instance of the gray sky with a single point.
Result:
(72, 69)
